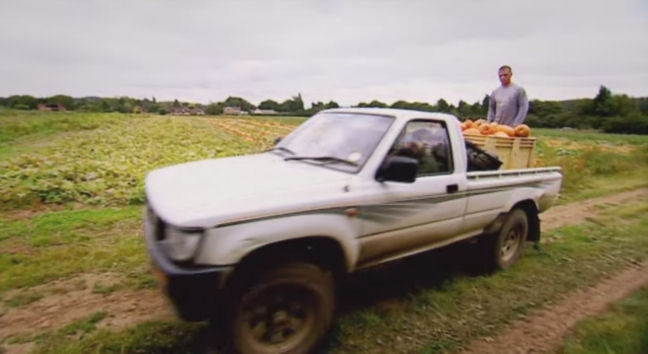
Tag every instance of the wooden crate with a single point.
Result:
(513, 152)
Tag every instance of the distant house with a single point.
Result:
(234, 111)
(187, 111)
(196, 111)
(265, 112)
(179, 111)
(51, 107)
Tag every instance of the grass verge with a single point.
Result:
(56, 245)
(623, 329)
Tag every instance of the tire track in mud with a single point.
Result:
(542, 330)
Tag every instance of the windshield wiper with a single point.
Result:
(281, 148)
(326, 159)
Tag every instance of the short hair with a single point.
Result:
(505, 67)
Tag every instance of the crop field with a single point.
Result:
(99, 159)
(74, 272)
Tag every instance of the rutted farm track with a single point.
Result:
(74, 298)
(543, 330)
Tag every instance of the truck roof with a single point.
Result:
(393, 112)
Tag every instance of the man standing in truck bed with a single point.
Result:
(508, 103)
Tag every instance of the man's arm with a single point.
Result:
(491, 108)
(523, 108)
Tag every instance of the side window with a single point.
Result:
(426, 141)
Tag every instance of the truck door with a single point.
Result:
(409, 217)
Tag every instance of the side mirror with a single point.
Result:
(398, 169)
(277, 140)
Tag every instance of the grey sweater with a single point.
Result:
(508, 105)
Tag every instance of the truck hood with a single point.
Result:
(210, 192)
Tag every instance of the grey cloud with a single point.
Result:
(347, 51)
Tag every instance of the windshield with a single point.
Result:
(343, 141)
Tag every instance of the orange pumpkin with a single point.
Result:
(487, 129)
(468, 123)
(522, 130)
(471, 131)
(479, 122)
(506, 129)
(501, 134)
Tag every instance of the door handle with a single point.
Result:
(452, 188)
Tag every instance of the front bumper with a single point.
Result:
(195, 291)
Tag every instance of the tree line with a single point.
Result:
(606, 111)
(291, 106)
(609, 112)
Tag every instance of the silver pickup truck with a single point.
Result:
(258, 241)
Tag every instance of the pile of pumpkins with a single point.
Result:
(482, 127)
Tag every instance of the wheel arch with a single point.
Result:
(531, 210)
(326, 252)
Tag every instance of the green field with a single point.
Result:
(71, 199)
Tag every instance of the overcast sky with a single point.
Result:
(346, 51)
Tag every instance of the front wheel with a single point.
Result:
(505, 248)
(287, 310)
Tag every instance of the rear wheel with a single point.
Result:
(287, 310)
(505, 248)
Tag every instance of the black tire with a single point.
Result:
(503, 249)
(288, 309)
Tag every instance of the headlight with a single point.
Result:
(180, 244)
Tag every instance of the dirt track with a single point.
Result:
(540, 331)
(578, 212)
